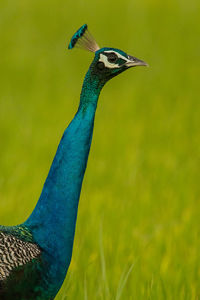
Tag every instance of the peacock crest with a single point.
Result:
(84, 40)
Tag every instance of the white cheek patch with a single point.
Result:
(104, 59)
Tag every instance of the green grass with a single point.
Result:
(138, 233)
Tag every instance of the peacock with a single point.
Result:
(35, 255)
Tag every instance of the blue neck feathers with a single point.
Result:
(53, 220)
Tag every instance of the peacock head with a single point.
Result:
(108, 62)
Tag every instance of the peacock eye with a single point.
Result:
(112, 57)
(100, 65)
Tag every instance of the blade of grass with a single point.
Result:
(103, 264)
(85, 289)
(122, 282)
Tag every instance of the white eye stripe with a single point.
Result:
(118, 54)
(103, 58)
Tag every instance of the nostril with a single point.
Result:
(131, 58)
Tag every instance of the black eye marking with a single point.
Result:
(112, 57)
(100, 65)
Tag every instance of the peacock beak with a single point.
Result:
(133, 61)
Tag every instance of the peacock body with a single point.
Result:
(35, 256)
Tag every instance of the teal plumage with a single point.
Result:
(79, 33)
(35, 256)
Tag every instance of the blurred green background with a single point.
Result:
(138, 228)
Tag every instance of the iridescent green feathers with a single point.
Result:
(21, 267)
(84, 40)
(17, 248)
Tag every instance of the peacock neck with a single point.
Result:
(91, 89)
(53, 220)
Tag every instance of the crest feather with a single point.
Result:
(84, 40)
